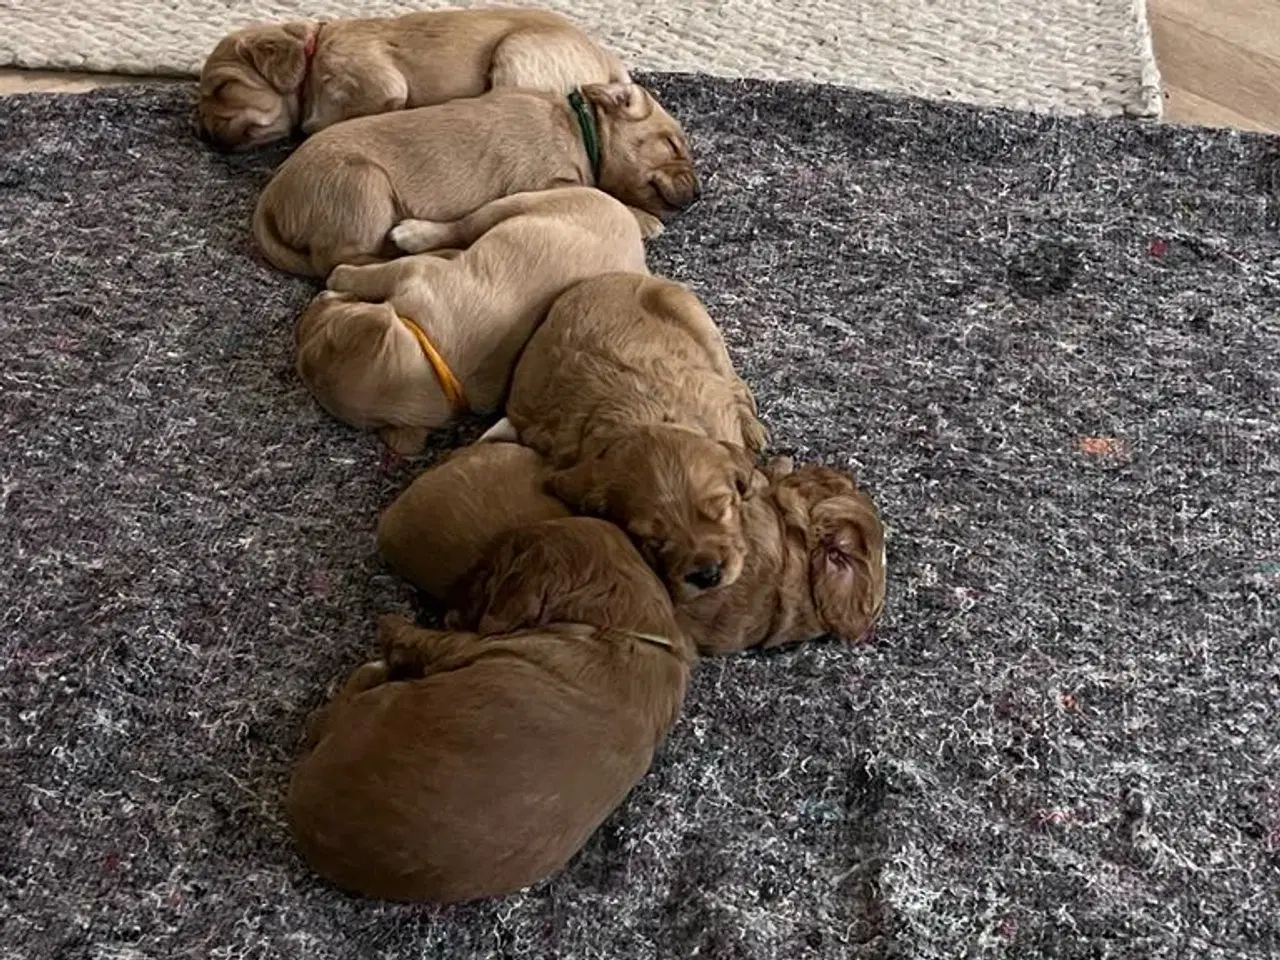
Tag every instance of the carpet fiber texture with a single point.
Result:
(1070, 56)
(1049, 348)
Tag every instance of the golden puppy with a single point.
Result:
(628, 390)
(815, 562)
(336, 198)
(400, 347)
(473, 764)
(265, 82)
(439, 527)
(815, 566)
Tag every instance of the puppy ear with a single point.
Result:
(583, 487)
(406, 441)
(629, 101)
(847, 566)
(746, 478)
(278, 55)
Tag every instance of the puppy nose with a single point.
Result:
(696, 194)
(705, 577)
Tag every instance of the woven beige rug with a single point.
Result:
(1071, 56)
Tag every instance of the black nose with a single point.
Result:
(704, 577)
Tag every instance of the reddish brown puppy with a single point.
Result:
(814, 560)
(472, 763)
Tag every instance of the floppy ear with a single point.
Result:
(847, 565)
(748, 480)
(626, 100)
(584, 487)
(278, 55)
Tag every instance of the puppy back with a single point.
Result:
(445, 521)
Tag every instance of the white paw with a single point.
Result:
(419, 236)
(650, 226)
(501, 432)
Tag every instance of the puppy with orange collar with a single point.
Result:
(265, 82)
(400, 347)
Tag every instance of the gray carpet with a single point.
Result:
(1049, 347)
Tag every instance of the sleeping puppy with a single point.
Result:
(439, 527)
(815, 562)
(401, 347)
(472, 764)
(263, 83)
(336, 198)
(627, 389)
(815, 567)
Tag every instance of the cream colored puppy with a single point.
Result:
(337, 197)
(401, 347)
(265, 82)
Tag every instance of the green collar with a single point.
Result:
(590, 135)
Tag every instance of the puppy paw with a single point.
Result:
(339, 280)
(366, 677)
(503, 431)
(650, 226)
(405, 441)
(421, 236)
(754, 435)
(779, 466)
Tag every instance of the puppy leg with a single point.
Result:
(545, 59)
(420, 236)
(754, 435)
(405, 441)
(363, 678)
(372, 282)
(650, 226)
(409, 650)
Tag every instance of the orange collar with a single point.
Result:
(449, 383)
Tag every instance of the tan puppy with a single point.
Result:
(628, 390)
(815, 562)
(265, 82)
(440, 526)
(400, 347)
(470, 765)
(336, 198)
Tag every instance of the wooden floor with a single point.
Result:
(1219, 60)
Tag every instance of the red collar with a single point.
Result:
(309, 49)
(308, 55)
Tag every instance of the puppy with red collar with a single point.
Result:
(266, 82)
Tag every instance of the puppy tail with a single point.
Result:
(274, 248)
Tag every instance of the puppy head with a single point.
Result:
(845, 544)
(248, 86)
(678, 495)
(645, 159)
(365, 367)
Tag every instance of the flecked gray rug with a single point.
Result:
(1049, 347)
